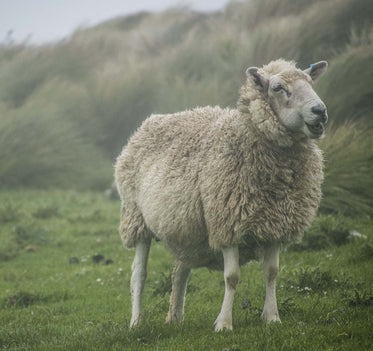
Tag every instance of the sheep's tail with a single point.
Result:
(132, 228)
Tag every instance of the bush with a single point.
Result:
(346, 86)
(348, 185)
(41, 148)
(67, 109)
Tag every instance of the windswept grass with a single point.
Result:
(349, 170)
(37, 145)
(67, 109)
(346, 86)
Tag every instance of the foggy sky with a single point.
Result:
(51, 20)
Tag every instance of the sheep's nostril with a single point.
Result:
(319, 110)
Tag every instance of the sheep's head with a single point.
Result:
(289, 92)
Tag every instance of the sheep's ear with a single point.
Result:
(316, 70)
(258, 81)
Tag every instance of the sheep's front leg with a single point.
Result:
(231, 278)
(270, 267)
(139, 271)
(180, 276)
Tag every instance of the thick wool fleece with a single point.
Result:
(212, 178)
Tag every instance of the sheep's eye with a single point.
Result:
(278, 87)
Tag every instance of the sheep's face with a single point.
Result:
(292, 98)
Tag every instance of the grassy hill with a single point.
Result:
(66, 109)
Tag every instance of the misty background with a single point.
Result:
(74, 91)
(43, 21)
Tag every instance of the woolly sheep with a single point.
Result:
(219, 187)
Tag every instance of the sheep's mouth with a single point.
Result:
(316, 129)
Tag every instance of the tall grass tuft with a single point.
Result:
(348, 185)
(41, 148)
(67, 109)
(118, 102)
(347, 85)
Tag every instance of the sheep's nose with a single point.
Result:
(320, 111)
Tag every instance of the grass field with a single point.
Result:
(66, 110)
(64, 279)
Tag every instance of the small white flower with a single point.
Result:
(98, 280)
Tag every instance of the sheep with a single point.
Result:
(220, 187)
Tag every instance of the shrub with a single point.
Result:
(346, 87)
(41, 148)
(348, 185)
(67, 109)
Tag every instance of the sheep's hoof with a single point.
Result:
(221, 324)
(133, 325)
(270, 317)
(134, 322)
(170, 319)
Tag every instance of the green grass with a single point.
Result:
(54, 296)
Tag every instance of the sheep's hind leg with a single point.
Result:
(139, 271)
(270, 267)
(231, 278)
(180, 276)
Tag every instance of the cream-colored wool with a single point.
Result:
(210, 178)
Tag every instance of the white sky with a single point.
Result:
(51, 20)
